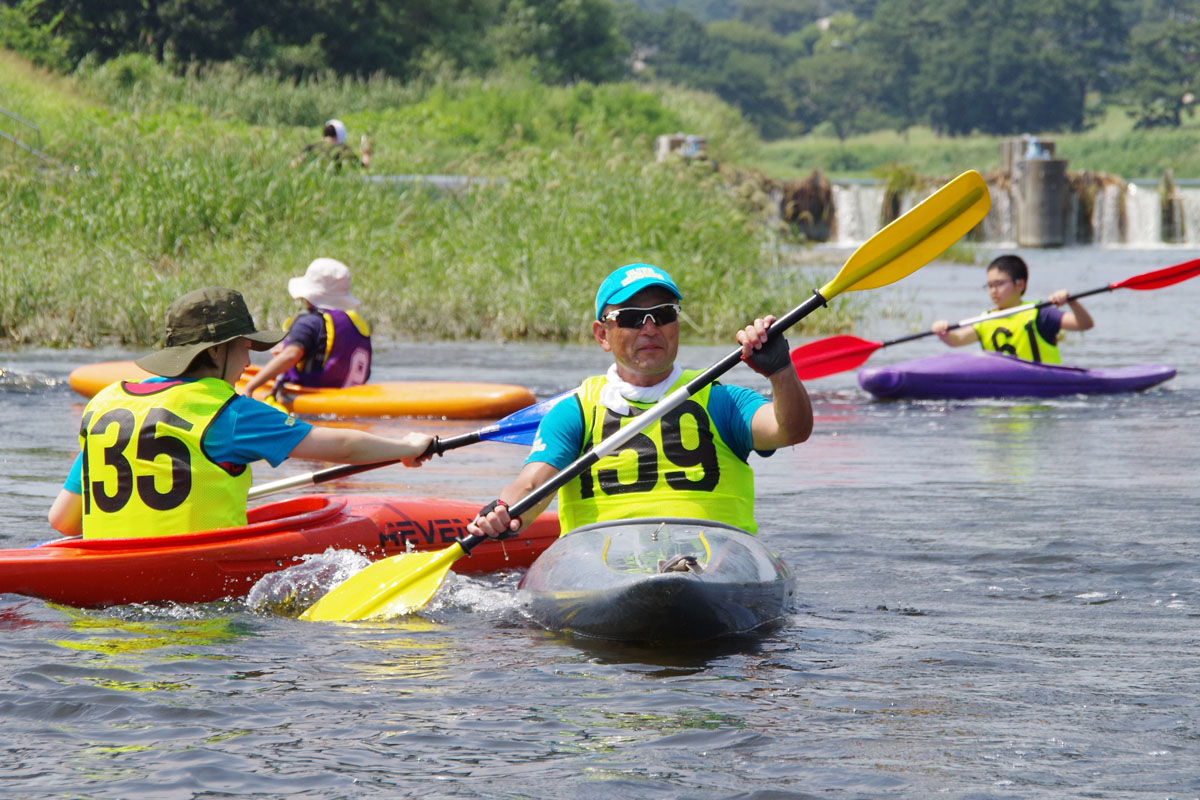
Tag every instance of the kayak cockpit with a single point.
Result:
(657, 580)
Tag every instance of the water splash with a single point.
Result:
(491, 594)
(290, 591)
(25, 383)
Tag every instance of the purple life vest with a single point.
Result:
(345, 359)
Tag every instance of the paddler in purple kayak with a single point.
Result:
(328, 344)
(171, 454)
(1032, 334)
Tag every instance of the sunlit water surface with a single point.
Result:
(998, 600)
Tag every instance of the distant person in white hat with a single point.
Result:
(328, 344)
(333, 147)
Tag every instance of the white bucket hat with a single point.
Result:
(325, 284)
(339, 130)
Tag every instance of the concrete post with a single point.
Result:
(1042, 191)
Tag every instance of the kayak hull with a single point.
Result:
(224, 564)
(963, 376)
(447, 399)
(615, 581)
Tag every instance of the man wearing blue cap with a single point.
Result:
(693, 462)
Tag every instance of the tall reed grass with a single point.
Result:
(440, 121)
(170, 195)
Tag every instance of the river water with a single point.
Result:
(998, 599)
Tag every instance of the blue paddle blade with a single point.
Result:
(521, 427)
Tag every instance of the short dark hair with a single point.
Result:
(1012, 266)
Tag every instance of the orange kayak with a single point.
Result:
(439, 399)
(226, 563)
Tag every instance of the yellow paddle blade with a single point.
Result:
(388, 588)
(916, 238)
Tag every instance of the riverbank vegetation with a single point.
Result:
(1114, 146)
(167, 131)
(160, 183)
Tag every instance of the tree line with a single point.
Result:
(790, 66)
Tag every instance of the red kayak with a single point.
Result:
(226, 563)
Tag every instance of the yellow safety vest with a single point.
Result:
(1017, 335)
(678, 467)
(145, 472)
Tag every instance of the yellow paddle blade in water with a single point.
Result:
(916, 238)
(388, 588)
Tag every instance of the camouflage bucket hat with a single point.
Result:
(202, 319)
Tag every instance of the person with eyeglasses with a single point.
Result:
(1031, 334)
(691, 463)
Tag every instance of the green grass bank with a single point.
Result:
(162, 184)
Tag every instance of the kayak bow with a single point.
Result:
(962, 376)
(658, 580)
(213, 565)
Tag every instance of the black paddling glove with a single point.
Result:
(492, 506)
(773, 356)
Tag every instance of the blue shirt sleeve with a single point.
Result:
(732, 408)
(74, 481)
(559, 435)
(247, 430)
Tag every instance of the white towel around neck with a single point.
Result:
(617, 392)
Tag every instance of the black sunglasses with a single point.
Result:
(636, 317)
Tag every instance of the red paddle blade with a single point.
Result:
(1160, 277)
(831, 356)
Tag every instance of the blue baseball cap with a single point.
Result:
(630, 279)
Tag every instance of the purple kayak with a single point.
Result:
(961, 376)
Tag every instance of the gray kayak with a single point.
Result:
(658, 580)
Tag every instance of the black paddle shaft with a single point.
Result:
(660, 409)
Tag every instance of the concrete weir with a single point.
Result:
(1036, 202)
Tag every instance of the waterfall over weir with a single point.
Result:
(1123, 214)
